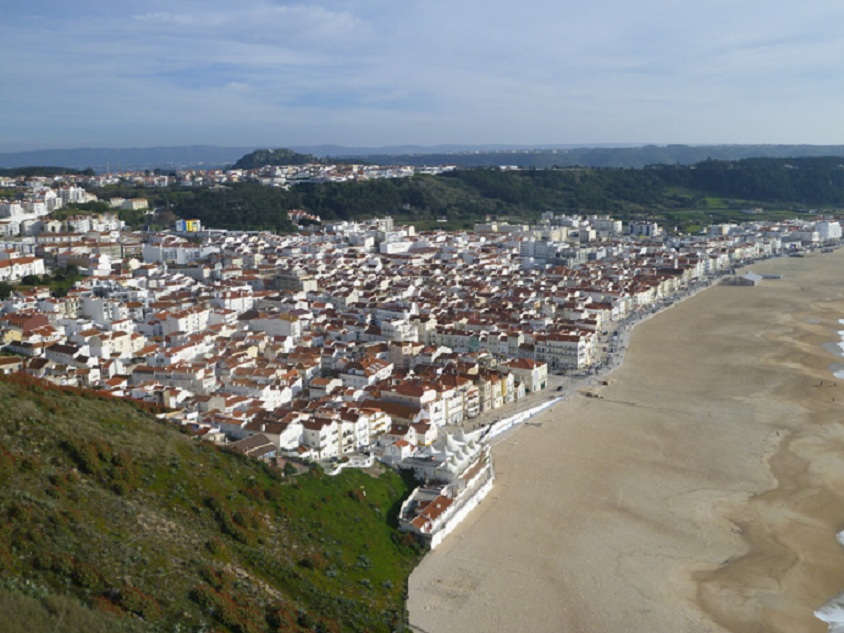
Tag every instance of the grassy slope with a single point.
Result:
(108, 510)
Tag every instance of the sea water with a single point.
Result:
(837, 349)
(833, 611)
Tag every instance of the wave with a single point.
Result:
(833, 611)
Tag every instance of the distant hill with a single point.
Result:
(280, 156)
(342, 151)
(599, 155)
(44, 171)
(103, 160)
(113, 520)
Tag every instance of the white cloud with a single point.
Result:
(433, 71)
(286, 26)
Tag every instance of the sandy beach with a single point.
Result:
(701, 492)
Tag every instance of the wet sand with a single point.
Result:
(702, 492)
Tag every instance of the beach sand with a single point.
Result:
(701, 492)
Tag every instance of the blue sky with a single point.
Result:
(90, 73)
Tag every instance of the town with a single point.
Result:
(348, 341)
(284, 176)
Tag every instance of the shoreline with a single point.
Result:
(571, 385)
(610, 517)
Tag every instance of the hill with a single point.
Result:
(551, 155)
(599, 157)
(104, 159)
(281, 156)
(116, 521)
(685, 197)
(44, 171)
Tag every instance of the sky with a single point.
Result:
(370, 73)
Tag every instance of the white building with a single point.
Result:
(13, 268)
(75, 195)
(322, 436)
(11, 209)
(828, 230)
(365, 373)
(282, 324)
(644, 228)
(565, 351)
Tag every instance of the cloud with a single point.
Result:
(285, 26)
(368, 71)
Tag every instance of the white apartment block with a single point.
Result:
(828, 230)
(566, 351)
(645, 229)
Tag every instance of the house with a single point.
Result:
(322, 436)
(396, 432)
(64, 354)
(416, 396)
(10, 364)
(532, 374)
(320, 387)
(16, 268)
(366, 372)
(398, 451)
(257, 446)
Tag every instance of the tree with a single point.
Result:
(30, 280)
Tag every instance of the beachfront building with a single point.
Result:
(566, 351)
(828, 230)
(458, 473)
(530, 373)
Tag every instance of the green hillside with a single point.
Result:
(280, 156)
(681, 196)
(115, 521)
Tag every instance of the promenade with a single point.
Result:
(564, 385)
(701, 491)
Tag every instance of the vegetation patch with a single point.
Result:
(712, 190)
(110, 510)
